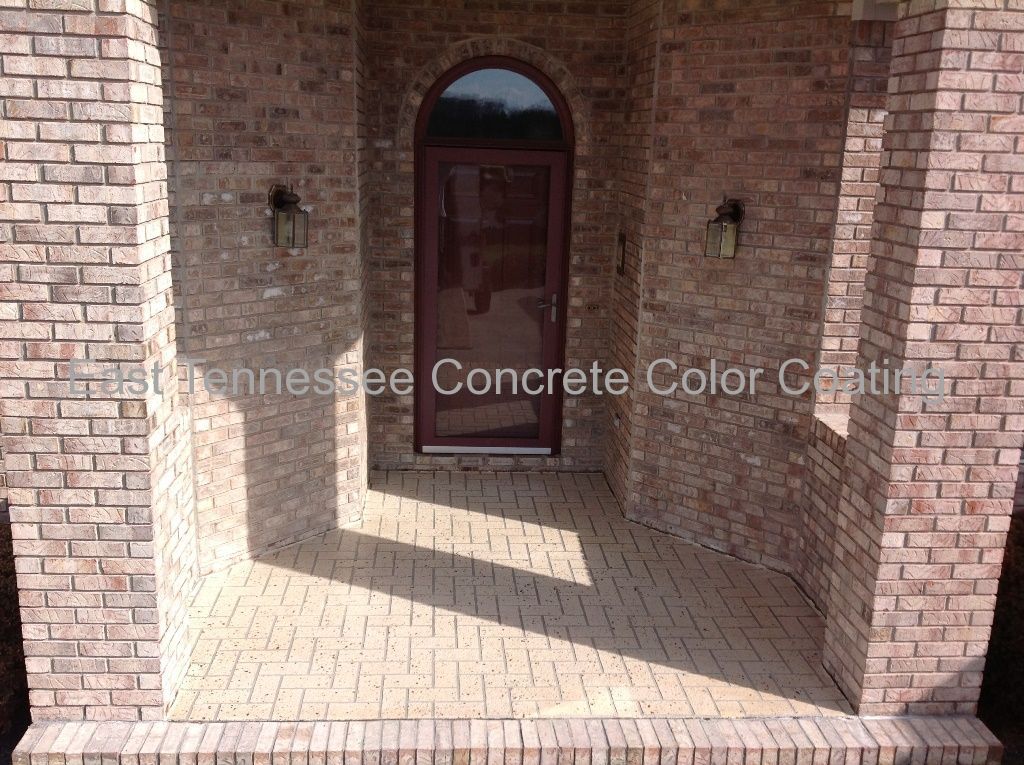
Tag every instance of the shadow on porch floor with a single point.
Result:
(501, 595)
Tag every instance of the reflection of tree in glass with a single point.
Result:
(467, 117)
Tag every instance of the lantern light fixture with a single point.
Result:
(723, 230)
(291, 222)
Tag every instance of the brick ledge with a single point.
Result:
(842, 740)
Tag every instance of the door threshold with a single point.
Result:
(486, 450)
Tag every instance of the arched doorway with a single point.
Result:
(493, 168)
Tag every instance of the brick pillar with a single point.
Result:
(100, 488)
(928, 487)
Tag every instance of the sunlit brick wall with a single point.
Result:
(100, 487)
(928, 487)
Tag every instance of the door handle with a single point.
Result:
(553, 305)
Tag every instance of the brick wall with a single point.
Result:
(750, 104)
(1018, 496)
(643, 27)
(580, 47)
(119, 502)
(929, 488)
(870, 50)
(819, 509)
(261, 95)
(99, 490)
(359, 472)
(3, 481)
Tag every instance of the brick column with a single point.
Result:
(100, 488)
(928, 487)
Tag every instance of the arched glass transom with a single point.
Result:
(495, 104)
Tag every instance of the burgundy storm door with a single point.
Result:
(493, 177)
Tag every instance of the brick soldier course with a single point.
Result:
(227, 561)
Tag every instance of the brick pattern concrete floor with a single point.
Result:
(463, 595)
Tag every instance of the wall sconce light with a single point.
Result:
(291, 223)
(722, 231)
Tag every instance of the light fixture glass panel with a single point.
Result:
(299, 235)
(713, 245)
(728, 245)
(282, 229)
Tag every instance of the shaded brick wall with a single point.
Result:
(359, 470)
(642, 38)
(1018, 497)
(580, 46)
(819, 510)
(261, 95)
(928, 488)
(870, 51)
(750, 103)
(99, 487)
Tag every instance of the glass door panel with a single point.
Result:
(493, 246)
(492, 253)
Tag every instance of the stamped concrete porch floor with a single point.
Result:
(501, 595)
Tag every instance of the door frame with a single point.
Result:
(552, 332)
(428, 154)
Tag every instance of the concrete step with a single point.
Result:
(840, 740)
